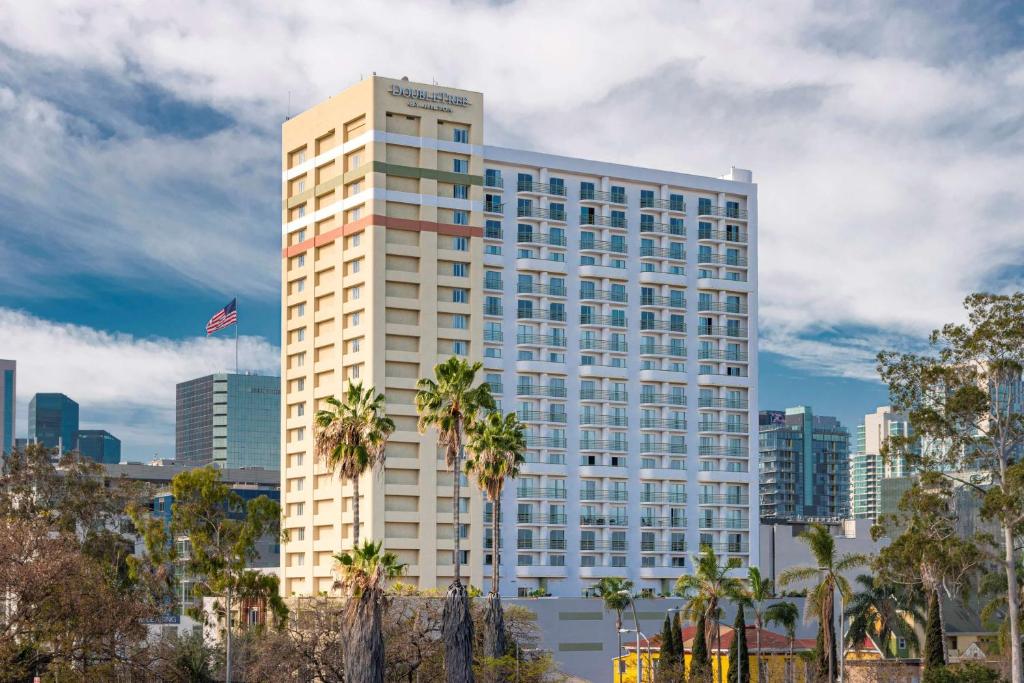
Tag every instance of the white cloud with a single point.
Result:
(886, 140)
(124, 384)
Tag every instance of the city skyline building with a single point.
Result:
(99, 445)
(804, 465)
(228, 420)
(53, 421)
(614, 309)
(8, 404)
(868, 469)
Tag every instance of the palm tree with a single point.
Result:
(363, 574)
(495, 445)
(451, 404)
(785, 614)
(616, 593)
(828, 569)
(880, 612)
(350, 438)
(759, 589)
(705, 590)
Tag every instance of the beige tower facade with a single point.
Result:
(381, 279)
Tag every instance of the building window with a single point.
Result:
(460, 217)
(460, 135)
(458, 321)
(460, 348)
(354, 293)
(460, 296)
(460, 192)
(460, 269)
(300, 261)
(460, 243)
(460, 165)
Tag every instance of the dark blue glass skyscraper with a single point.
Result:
(8, 380)
(99, 445)
(53, 421)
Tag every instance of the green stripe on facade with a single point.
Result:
(650, 615)
(580, 616)
(580, 647)
(413, 172)
(299, 199)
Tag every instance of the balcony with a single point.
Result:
(607, 221)
(723, 452)
(493, 336)
(541, 416)
(496, 387)
(729, 427)
(666, 301)
(602, 345)
(494, 207)
(710, 354)
(540, 544)
(665, 325)
(546, 442)
(715, 307)
(716, 211)
(671, 547)
(731, 404)
(724, 499)
(658, 252)
(493, 309)
(662, 399)
(537, 212)
(494, 284)
(603, 494)
(662, 350)
(600, 520)
(495, 181)
(658, 522)
(540, 390)
(556, 189)
(599, 395)
(493, 232)
(729, 548)
(602, 246)
(540, 238)
(533, 288)
(540, 314)
(726, 523)
(669, 204)
(662, 447)
(540, 492)
(661, 423)
(646, 497)
(603, 295)
(602, 320)
(541, 340)
(719, 260)
(589, 419)
(726, 235)
(603, 445)
(721, 331)
(599, 196)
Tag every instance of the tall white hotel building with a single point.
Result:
(614, 308)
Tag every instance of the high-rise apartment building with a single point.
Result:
(8, 404)
(53, 421)
(229, 420)
(804, 465)
(868, 468)
(614, 308)
(99, 445)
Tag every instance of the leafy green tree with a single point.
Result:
(363, 575)
(700, 658)
(221, 531)
(705, 590)
(786, 615)
(351, 437)
(934, 652)
(495, 445)
(678, 646)
(739, 655)
(828, 570)
(617, 594)
(883, 612)
(451, 404)
(964, 401)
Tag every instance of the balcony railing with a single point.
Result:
(492, 232)
(730, 427)
(494, 207)
(723, 452)
(540, 238)
(546, 442)
(662, 497)
(600, 520)
(611, 321)
(726, 523)
(603, 445)
(664, 447)
(600, 395)
(716, 307)
(663, 228)
(589, 419)
(540, 390)
(732, 548)
(493, 335)
(556, 189)
(667, 522)
(602, 345)
(655, 203)
(496, 387)
(733, 404)
(722, 235)
(541, 340)
(603, 295)
(540, 492)
(721, 331)
(666, 325)
(538, 212)
(724, 499)
(704, 209)
(540, 314)
(493, 309)
(603, 246)
(663, 399)
(657, 300)
(661, 423)
(599, 196)
(603, 494)
(533, 288)
(671, 547)
(494, 181)
(658, 252)
(607, 221)
(663, 350)
(541, 416)
(734, 356)
(494, 284)
(719, 260)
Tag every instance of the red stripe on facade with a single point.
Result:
(386, 222)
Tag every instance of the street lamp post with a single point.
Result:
(636, 623)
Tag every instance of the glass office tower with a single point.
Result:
(53, 421)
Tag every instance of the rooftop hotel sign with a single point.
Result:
(437, 100)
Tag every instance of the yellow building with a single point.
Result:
(775, 648)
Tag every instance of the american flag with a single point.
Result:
(225, 317)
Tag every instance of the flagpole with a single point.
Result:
(236, 335)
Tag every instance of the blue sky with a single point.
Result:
(139, 184)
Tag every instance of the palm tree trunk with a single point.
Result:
(355, 512)
(790, 669)
(456, 619)
(496, 544)
(363, 647)
(495, 644)
(760, 660)
(718, 647)
(618, 632)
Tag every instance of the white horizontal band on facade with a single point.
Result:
(380, 194)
